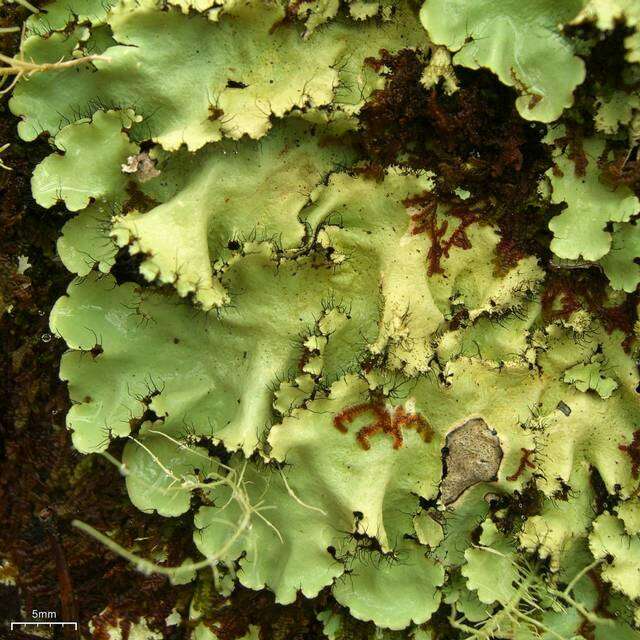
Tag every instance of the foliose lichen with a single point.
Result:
(378, 347)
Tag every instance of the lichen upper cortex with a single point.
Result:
(310, 334)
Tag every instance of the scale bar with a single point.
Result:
(46, 624)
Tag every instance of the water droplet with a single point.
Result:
(41, 313)
(46, 337)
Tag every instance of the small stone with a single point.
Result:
(473, 455)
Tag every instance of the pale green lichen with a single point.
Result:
(590, 376)
(609, 539)
(427, 447)
(61, 176)
(579, 231)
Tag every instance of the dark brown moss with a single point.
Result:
(515, 508)
(473, 139)
(138, 200)
(604, 501)
(127, 268)
(231, 618)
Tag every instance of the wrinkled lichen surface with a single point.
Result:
(356, 286)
